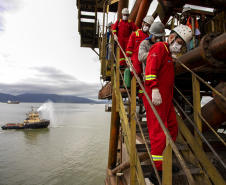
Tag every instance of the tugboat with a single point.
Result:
(32, 121)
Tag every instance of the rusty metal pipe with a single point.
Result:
(134, 11)
(213, 112)
(126, 164)
(218, 47)
(114, 133)
(208, 53)
(122, 4)
(142, 12)
(192, 60)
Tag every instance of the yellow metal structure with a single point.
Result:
(126, 121)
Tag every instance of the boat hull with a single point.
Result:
(43, 124)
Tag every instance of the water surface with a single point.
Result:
(73, 150)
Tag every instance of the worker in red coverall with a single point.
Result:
(133, 47)
(122, 30)
(159, 84)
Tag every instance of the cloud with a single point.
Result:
(50, 80)
(6, 6)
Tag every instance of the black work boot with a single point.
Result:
(175, 169)
(153, 178)
(140, 101)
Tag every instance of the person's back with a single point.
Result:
(144, 48)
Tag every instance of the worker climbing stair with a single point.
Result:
(199, 150)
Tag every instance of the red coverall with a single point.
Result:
(132, 51)
(123, 30)
(159, 73)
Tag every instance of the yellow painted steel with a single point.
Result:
(197, 108)
(127, 137)
(133, 133)
(117, 83)
(112, 62)
(167, 165)
(113, 1)
(193, 30)
(217, 24)
(200, 154)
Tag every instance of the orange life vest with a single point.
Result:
(189, 23)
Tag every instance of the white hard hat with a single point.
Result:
(109, 24)
(185, 9)
(148, 19)
(157, 29)
(184, 32)
(125, 11)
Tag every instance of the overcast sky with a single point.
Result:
(40, 49)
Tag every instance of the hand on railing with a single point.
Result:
(115, 37)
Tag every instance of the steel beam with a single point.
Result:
(122, 4)
(114, 133)
(211, 52)
(213, 112)
(142, 12)
(134, 11)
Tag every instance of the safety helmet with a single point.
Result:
(185, 9)
(184, 32)
(125, 11)
(157, 29)
(109, 24)
(148, 19)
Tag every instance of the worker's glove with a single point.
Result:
(156, 97)
(129, 60)
(115, 37)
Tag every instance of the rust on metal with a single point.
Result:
(114, 133)
(214, 112)
(205, 54)
(125, 165)
(142, 12)
(134, 11)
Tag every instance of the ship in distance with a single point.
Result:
(31, 122)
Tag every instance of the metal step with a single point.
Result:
(138, 115)
(144, 129)
(87, 17)
(137, 104)
(142, 147)
(147, 169)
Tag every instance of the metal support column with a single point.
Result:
(197, 107)
(117, 78)
(114, 133)
(133, 133)
(167, 165)
(193, 31)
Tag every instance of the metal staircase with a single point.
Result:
(88, 26)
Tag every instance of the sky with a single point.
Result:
(40, 49)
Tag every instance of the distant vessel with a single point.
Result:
(13, 102)
(32, 121)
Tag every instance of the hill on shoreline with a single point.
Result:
(41, 98)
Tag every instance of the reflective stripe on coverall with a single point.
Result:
(159, 73)
(123, 30)
(132, 51)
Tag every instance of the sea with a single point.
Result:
(73, 150)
